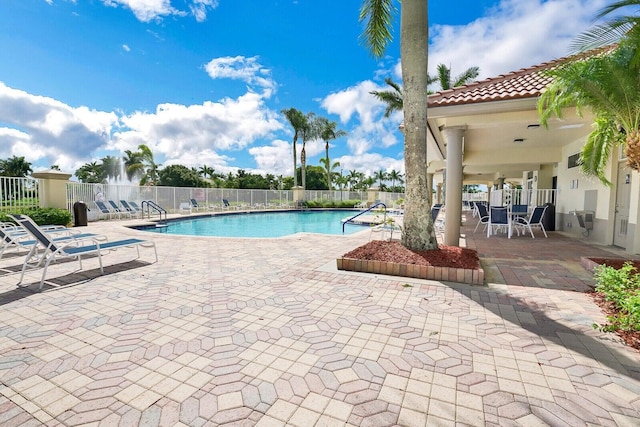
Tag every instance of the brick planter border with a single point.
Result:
(459, 275)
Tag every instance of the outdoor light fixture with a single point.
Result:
(518, 140)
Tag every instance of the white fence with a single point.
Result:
(530, 198)
(170, 198)
(19, 193)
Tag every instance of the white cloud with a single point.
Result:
(149, 10)
(180, 132)
(370, 163)
(126, 48)
(276, 158)
(43, 127)
(371, 129)
(244, 69)
(513, 35)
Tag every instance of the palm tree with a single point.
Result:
(622, 28)
(297, 120)
(332, 173)
(328, 132)
(16, 167)
(444, 77)
(609, 85)
(150, 176)
(394, 176)
(206, 171)
(133, 164)
(419, 233)
(308, 131)
(393, 98)
(381, 175)
(93, 173)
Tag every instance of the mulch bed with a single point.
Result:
(444, 256)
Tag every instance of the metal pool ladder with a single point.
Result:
(344, 222)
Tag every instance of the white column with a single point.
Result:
(453, 197)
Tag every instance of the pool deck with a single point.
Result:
(267, 332)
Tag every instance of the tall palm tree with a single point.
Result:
(133, 164)
(332, 173)
(380, 176)
(297, 120)
(419, 232)
(308, 132)
(206, 171)
(394, 176)
(328, 132)
(609, 85)
(151, 175)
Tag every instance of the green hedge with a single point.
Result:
(41, 216)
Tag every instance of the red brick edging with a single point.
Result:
(459, 275)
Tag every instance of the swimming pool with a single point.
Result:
(261, 224)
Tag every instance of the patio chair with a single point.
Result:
(53, 251)
(535, 220)
(499, 220)
(482, 214)
(108, 212)
(116, 208)
(195, 206)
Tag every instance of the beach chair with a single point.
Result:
(116, 208)
(132, 211)
(104, 210)
(71, 250)
(195, 206)
(17, 238)
(185, 208)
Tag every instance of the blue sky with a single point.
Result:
(203, 82)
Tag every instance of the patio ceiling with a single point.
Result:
(502, 139)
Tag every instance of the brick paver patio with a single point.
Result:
(268, 332)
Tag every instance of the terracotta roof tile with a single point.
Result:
(524, 83)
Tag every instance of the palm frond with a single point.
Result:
(377, 16)
(597, 150)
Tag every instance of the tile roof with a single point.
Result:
(524, 83)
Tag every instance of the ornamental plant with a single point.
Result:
(620, 287)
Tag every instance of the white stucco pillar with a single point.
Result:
(53, 194)
(439, 193)
(453, 197)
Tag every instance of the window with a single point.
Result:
(573, 161)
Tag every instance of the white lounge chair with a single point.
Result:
(17, 237)
(53, 250)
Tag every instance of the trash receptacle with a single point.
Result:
(79, 214)
(549, 218)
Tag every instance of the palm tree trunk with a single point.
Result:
(632, 150)
(326, 150)
(303, 166)
(419, 233)
(295, 164)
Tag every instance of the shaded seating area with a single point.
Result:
(480, 211)
(53, 250)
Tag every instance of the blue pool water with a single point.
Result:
(262, 224)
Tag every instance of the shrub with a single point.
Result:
(621, 287)
(42, 216)
(336, 204)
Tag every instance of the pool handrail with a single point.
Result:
(150, 204)
(365, 211)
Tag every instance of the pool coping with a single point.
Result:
(449, 274)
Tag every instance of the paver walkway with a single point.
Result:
(267, 332)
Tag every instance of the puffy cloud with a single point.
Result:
(180, 132)
(371, 129)
(43, 127)
(512, 35)
(148, 10)
(244, 69)
(370, 163)
(276, 158)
